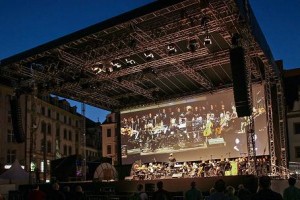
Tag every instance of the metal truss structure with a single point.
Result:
(163, 51)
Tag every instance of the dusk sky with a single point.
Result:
(27, 24)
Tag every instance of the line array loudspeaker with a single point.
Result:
(16, 117)
(240, 83)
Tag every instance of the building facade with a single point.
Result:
(52, 129)
(292, 91)
(109, 138)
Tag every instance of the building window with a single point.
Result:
(65, 134)
(70, 135)
(9, 119)
(10, 136)
(76, 123)
(65, 150)
(297, 128)
(70, 121)
(109, 132)
(11, 156)
(49, 147)
(57, 116)
(42, 145)
(297, 151)
(65, 119)
(57, 133)
(77, 136)
(70, 150)
(43, 111)
(49, 112)
(108, 149)
(44, 127)
(49, 129)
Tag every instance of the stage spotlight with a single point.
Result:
(130, 62)
(116, 65)
(171, 49)
(110, 69)
(193, 45)
(235, 40)
(207, 40)
(149, 55)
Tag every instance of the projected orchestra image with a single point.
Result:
(193, 129)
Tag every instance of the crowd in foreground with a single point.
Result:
(220, 191)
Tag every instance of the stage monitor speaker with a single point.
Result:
(128, 178)
(178, 175)
(16, 117)
(240, 83)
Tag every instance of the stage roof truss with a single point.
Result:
(151, 54)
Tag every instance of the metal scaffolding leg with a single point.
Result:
(270, 124)
(251, 129)
(282, 128)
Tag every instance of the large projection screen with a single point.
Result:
(203, 127)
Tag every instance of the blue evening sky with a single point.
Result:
(27, 24)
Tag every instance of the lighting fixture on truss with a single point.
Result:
(116, 65)
(129, 61)
(171, 49)
(149, 55)
(207, 40)
(193, 45)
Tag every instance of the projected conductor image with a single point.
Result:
(201, 123)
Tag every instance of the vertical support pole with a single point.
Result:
(83, 142)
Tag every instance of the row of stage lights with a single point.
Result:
(108, 67)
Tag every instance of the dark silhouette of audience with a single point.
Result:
(55, 194)
(160, 193)
(193, 193)
(291, 192)
(36, 194)
(79, 194)
(219, 193)
(67, 192)
(265, 192)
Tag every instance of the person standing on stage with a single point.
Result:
(172, 161)
(193, 193)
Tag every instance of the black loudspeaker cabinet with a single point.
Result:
(240, 83)
(16, 117)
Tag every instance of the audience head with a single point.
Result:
(212, 190)
(67, 189)
(55, 186)
(36, 187)
(140, 187)
(159, 184)
(230, 190)
(292, 181)
(220, 185)
(78, 188)
(193, 184)
(264, 182)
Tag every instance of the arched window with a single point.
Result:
(44, 127)
(49, 129)
(49, 146)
